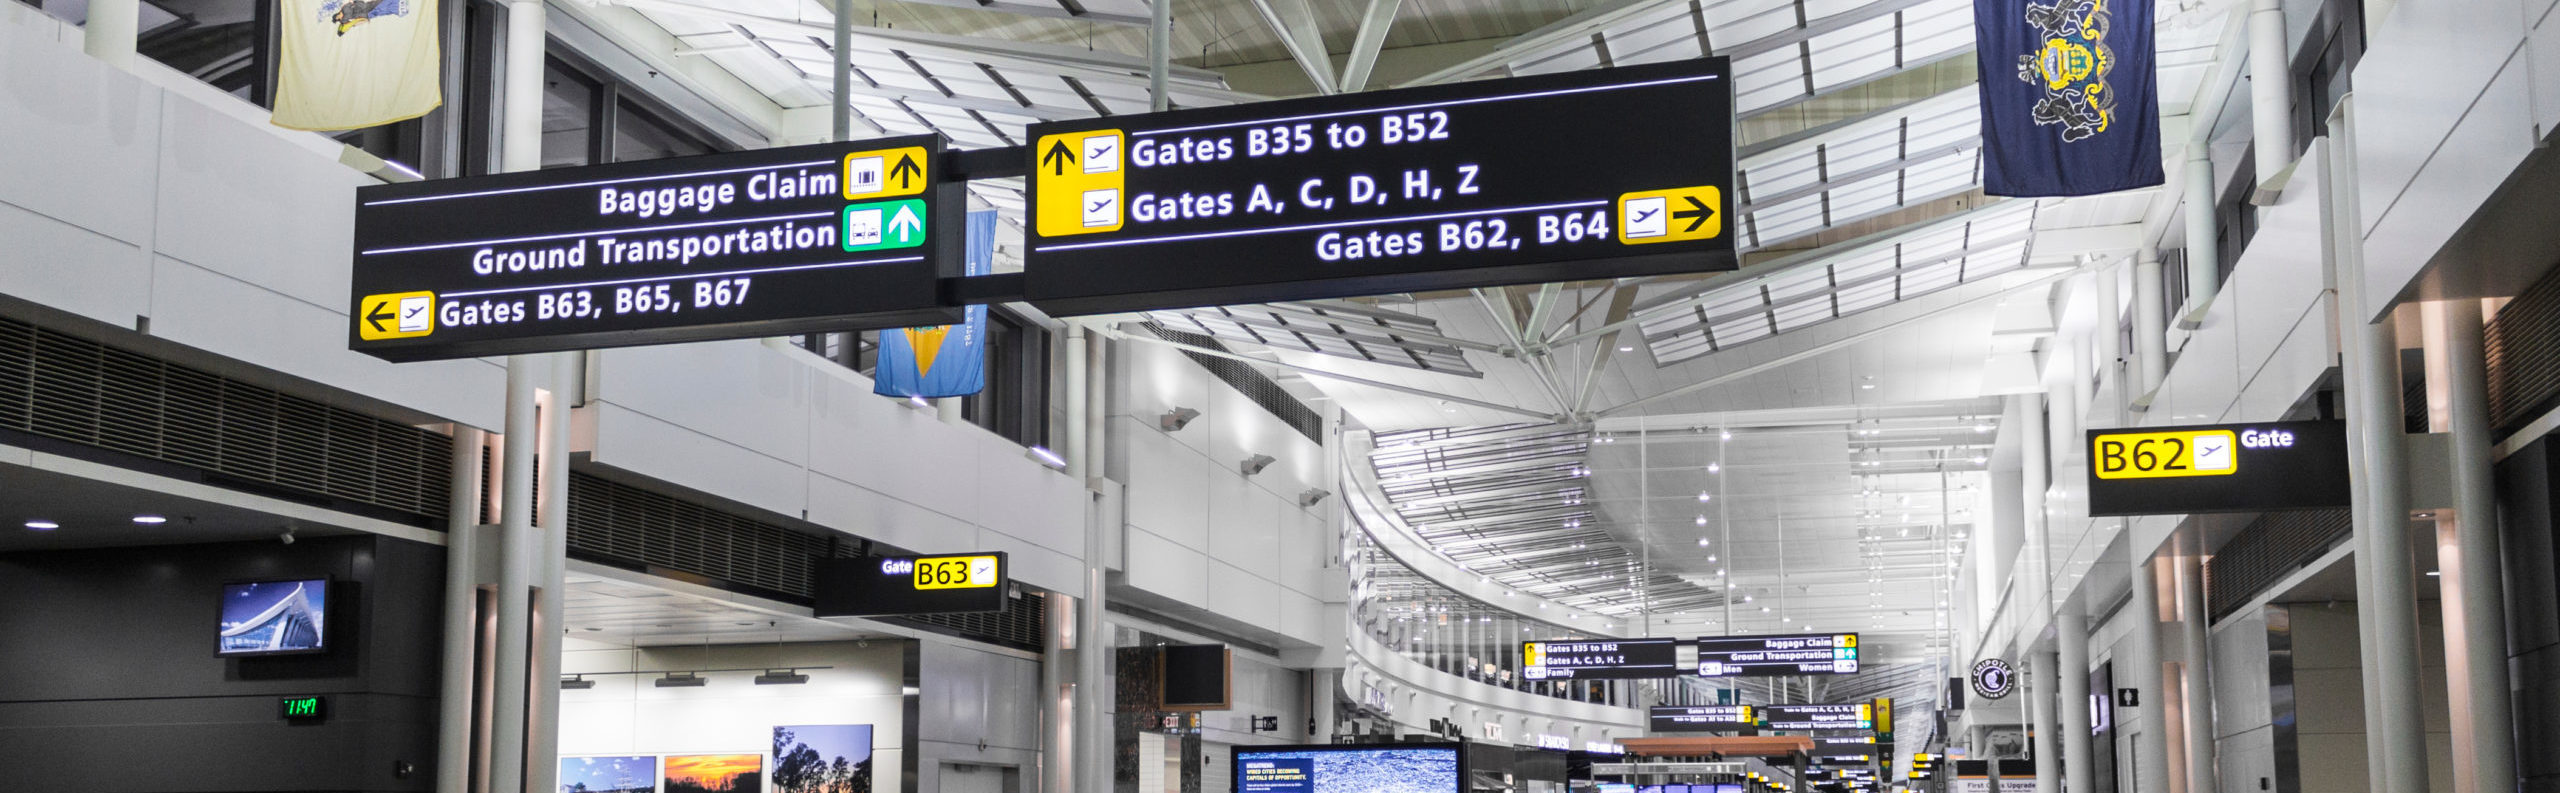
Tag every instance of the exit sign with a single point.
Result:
(305, 708)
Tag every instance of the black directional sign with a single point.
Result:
(1595, 174)
(892, 585)
(778, 241)
(1844, 716)
(2218, 468)
(1702, 718)
(1618, 659)
(1783, 654)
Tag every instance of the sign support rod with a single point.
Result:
(841, 113)
(1159, 54)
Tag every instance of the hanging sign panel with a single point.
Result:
(1619, 659)
(1701, 718)
(1843, 716)
(2275, 465)
(894, 585)
(1592, 174)
(1778, 654)
(771, 242)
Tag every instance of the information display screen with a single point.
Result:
(1353, 768)
(1615, 659)
(834, 236)
(1702, 718)
(2218, 468)
(274, 617)
(1772, 655)
(892, 585)
(1843, 716)
(1572, 176)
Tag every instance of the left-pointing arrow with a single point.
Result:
(381, 311)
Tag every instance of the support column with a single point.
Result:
(2385, 588)
(551, 499)
(455, 691)
(2198, 681)
(2474, 584)
(2150, 327)
(2151, 747)
(111, 30)
(2041, 689)
(1073, 448)
(1097, 396)
(2204, 252)
(2032, 574)
(1160, 55)
(2071, 638)
(1058, 695)
(2110, 346)
(2270, 94)
(520, 149)
(1323, 684)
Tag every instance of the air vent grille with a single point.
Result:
(85, 393)
(1262, 390)
(624, 525)
(2523, 346)
(2270, 548)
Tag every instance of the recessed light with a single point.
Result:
(149, 520)
(1627, 349)
(43, 525)
(2435, 573)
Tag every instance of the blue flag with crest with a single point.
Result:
(2070, 102)
(942, 360)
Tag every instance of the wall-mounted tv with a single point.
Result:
(1355, 768)
(282, 617)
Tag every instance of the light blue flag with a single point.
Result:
(942, 360)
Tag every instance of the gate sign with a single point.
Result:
(1701, 718)
(1782, 654)
(1614, 659)
(771, 242)
(1842, 716)
(1595, 174)
(2218, 468)
(893, 585)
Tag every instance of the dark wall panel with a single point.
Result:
(108, 670)
(2528, 494)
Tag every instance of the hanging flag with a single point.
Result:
(349, 64)
(942, 360)
(2070, 104)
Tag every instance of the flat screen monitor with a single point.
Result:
(274, 617)
(1357, 768)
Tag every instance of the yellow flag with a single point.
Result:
(349, 64)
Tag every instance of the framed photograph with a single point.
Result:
(609, 774)
(825, 758)
(714, 773)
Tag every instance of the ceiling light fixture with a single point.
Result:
(1045, 457)
(1715, 468)
(1702, 520)
(681, 680)
(150, 520)
(1254, 464)
(43, 525)
(781, 677)
(1174, 420)
(1702, 542)
(1704, 497)
(577, 683)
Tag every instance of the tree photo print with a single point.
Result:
(831, 758)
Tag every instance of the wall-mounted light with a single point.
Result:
(681, 680)
(1255, 464)
(781, 677)
(918, 403)
(1174, 420)
(1312, 496)
(1045, 457)
(576, 683)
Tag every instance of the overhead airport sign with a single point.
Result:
(1844, 716)
(2218, 468)
(1615, 659)
(1585, 175)
(1702, 718)
(1774, 655)
(771, 242)
(894, 585)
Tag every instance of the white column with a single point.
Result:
(111, 29)
(455, 692)
(551, 495)
(2475, 606)
(2198, 681)
(2150, 328)
(2030, 576)
(1097, 391)
(2071, 638)
(1160, 55)
(2110, 344)
(2204, 254)
(520, 150)
(2041, 688)
(2385, 587)
(1073, 449)
(1058, 696)
(2151, 747)
(2270, 88)
(1323, 683)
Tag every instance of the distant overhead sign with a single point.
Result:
(1843, 716)
(1574, 176)
(1702, 718)
(769, 242)
(1773, 655)
(1610, 659)
(2218, 468)
(893, 585)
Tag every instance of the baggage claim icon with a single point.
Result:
(1993, 679)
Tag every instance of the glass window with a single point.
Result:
(568, 116)
(639, 135)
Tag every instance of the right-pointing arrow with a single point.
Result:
(1697, 213)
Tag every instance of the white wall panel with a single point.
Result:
(82, 137)
(255, 206)
(2427, 64)
(1167, 568)
(733, 391)
(1236, 593)
(71, 268)
(1245, 530)
(2477, 156)
(2542, 53)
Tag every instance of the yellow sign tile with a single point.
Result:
(398, 315)
(1079, 177)
(885, 173)
(2150, 455)
(1675, 215)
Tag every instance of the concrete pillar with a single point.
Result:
(2071, 639)
(2150, 327)
(1058, 695)
(111, 30)
(1322, 687)
(1073, 448)
(2204, 257)
(551, 496)
(2151, 747)
(520, 150)
(2270, 90)
(2110, 344)
(2387, 589)
(2197, 666)
(1097, 396)
(2473, 583)
(455, 690)
(2041, 688)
